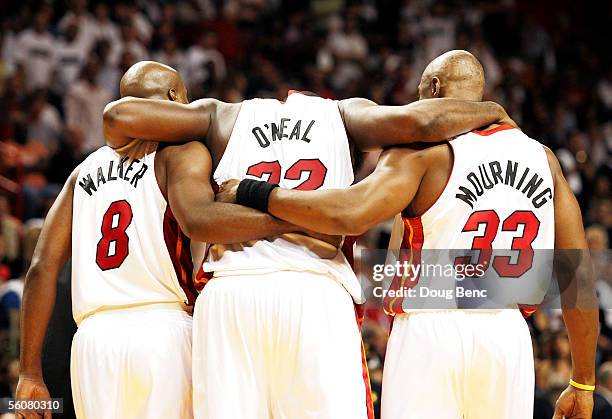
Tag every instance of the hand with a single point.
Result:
(32, 388)
(227, 191)
(322, 245)
(505, 118)
(335, 241)
(574, 403)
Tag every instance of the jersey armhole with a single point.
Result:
(155, 163)
(442, 192)
(231, 140)
(355, 156)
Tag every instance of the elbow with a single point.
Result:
(350, 224)
(36, 272)
(192, 229)
(112, 119)
(110, 115)
(198, 230)
(421, 126)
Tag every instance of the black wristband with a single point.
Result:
(254, 194)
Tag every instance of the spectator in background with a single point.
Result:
(603, 394)
(129, 14)
(35, 51)
(130, 43)
(70, 54)
(78, 15)
(204, 64)
(349, 50)
(166, 28)
(597, 239)
(109, 74)
(68, 156)
(438, 28)
(11, 291)
(170, 54)
(43, 121)
(103, 27)
(84, 104)
(10, 232)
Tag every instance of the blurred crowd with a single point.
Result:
(547, 62)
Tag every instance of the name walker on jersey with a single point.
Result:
(114, 170)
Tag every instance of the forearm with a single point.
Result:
(155, 120)
(222, 223)
(37, 307)
(373, 126)
(580, 310)
(441, 119)
(331, 211)
(582, 328)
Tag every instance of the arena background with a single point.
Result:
(548, 62)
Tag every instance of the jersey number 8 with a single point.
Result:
(113, 248)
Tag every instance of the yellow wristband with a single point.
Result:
(581, 386)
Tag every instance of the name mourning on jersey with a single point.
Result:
(494, 173)
(115, 170)
(284, 130)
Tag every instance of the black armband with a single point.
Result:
(254, 194)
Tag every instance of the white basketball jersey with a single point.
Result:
(499, 196)
(299, 144)
(127, 248)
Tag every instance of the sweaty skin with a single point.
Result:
(370, 126)
(413, 177)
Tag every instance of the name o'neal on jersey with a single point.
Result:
(286, 129)
(113, 171)
(491, 174)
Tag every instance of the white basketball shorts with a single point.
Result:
(279, 345)
(133, 364)
(459, 365)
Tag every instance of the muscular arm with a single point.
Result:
(157, 120)
(372, 126)
(51, 253)
(574, 270)
(354, 210)
(191, 198)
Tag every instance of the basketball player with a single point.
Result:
(126, 225)
(451, 364)
(276, 333)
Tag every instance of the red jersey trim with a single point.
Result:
(487, 132)
(410, 252)
(364, 366)
(179, 249)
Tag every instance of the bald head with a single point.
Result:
(456, 74)
(153, 80)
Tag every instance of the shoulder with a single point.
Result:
(192, 153)
(355, 103)
(553, 162)
(215, 105)
(417, 151)
(195, 148)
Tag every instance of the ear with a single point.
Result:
(172, 95)
(436, 87)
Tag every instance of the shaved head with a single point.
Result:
(455, 74)
(153, 80)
